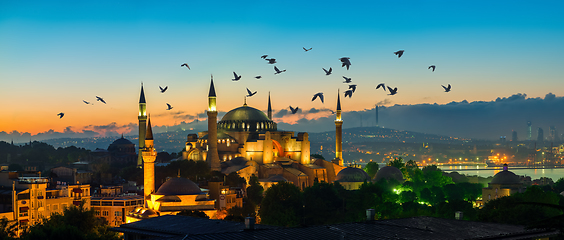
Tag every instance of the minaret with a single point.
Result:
(338, 134)
(149, 156)
(212, 156)
(269, 108)
(142, 126)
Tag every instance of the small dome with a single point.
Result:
(179, 186)
(506, 177)
(389, 173)
(352, 174)
(121, 141)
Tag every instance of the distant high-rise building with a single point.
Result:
(514, 136)
(540, 135)
(529, 131)
(552, 134)
(502, 138)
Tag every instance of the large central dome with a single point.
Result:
(246, 118)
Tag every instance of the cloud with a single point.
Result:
(384, 102)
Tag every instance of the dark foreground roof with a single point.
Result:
(407, 228)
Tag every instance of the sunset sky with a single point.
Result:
(55, 54)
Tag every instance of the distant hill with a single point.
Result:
(175, 141)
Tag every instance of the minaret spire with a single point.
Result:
(142, 125)
(212, 155)
(338, 134)
(269, 107)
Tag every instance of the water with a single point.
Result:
(554, 173)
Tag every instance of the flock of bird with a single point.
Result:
(345, 62)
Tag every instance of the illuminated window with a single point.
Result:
(105, 213)
(117, 213)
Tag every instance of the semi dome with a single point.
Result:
(122, 145)
(506, 177)
(389, 173)
(352, 174)
(179, 186)
(246, 118)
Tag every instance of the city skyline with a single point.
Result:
(57, 55)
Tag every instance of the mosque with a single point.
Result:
(247, 141)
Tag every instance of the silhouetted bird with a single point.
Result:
(432, 66)
(381, 85)
(353, 87)
(86, 102)
(328, 72)
(60, 115)
(348, 93)
(258, 77)
(185, 64)
(347, 80)
(307, 49)
(332, 112)
(163, 89)
(346, 62)
(100, 99)
(447, 89)
(320, 95)
(294, 110)
(271, 60)
(237, 77)
(278, 70)
(392, 91)
(169, 107)
(251, 93)
(263, 56)
(399, 53)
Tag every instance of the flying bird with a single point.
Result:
(392, 91)
(258, 77)
(271, 60)
(251, 93)
(347, 80)
(278, 70)
(306, 49)
(86, 102)
(60, 114)
(432, 66)
(328, 72)
(263, 56)
(348, 93)
(346, 62)
(237, 77)
(163, 89)
(353, 87)
(320, 95)
(332, 112)
(381, 85)
(294, 110)
(185, 64)
(399, 53)
(169, 107)
(100, 99)
(447, 89)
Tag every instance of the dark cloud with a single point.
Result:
(282, 113)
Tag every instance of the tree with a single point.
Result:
(234, 180)
(398, 163)
(322, 205)
(255, 190)
(371, 168)
(318, 156)
(76, 222)
(7, 229)
(193, 213)
(282, 205)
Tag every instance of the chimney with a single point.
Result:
(458, 215)
(370, 213)
(249, 223)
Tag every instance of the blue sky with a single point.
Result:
(56, 54)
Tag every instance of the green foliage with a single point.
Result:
(188, 169)
(398, 163)
(318, 156)
(510, 209)
(282, 205)
(193, 213)
(371, 169)
(234, 180)
(407, 196)
(322, 204)
(238, 214)
(75, 223)
(15, 167)
(559, 186)
(255, 190)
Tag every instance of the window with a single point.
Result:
(47, 207)
(64, 206)
(105, 213)
(97, 212)
(55, 207)
(117, 213)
